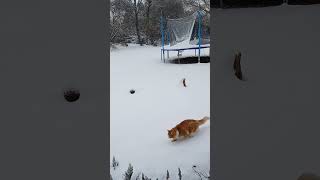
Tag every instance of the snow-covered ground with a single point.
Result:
(139, 121)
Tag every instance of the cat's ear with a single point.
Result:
(168, 130)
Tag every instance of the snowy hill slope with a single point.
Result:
(139, 121)
(268, 127)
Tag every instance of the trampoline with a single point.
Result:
(178, 32)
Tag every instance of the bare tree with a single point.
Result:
(139, 20)
(203, 5)
(136, 14)
(147, 28)
(120, 20)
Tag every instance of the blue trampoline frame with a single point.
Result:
(163, 50)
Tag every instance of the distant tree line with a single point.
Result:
(257, 3)
(138, 21)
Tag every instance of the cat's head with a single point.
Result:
(172, 133)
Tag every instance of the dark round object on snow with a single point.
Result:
(71, 95)
(132, 91)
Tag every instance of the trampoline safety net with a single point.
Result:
(179, 30)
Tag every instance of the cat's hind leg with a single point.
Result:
(192, 131)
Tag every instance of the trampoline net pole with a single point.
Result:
(162, 37)
(199, 33)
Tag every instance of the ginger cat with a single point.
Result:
(186, 128)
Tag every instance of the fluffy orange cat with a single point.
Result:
(186, 128)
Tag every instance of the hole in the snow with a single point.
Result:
(132, 91)
(71, 95)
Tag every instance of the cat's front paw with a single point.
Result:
(173, 140)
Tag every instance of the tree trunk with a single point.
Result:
(137, 21)
(148, 21)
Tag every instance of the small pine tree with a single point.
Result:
(128, 173)
(115, 163)
(144, 177)
(168, 176)
(179, 174)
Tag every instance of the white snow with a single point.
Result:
(139, 121)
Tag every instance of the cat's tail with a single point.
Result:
(203, 120)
